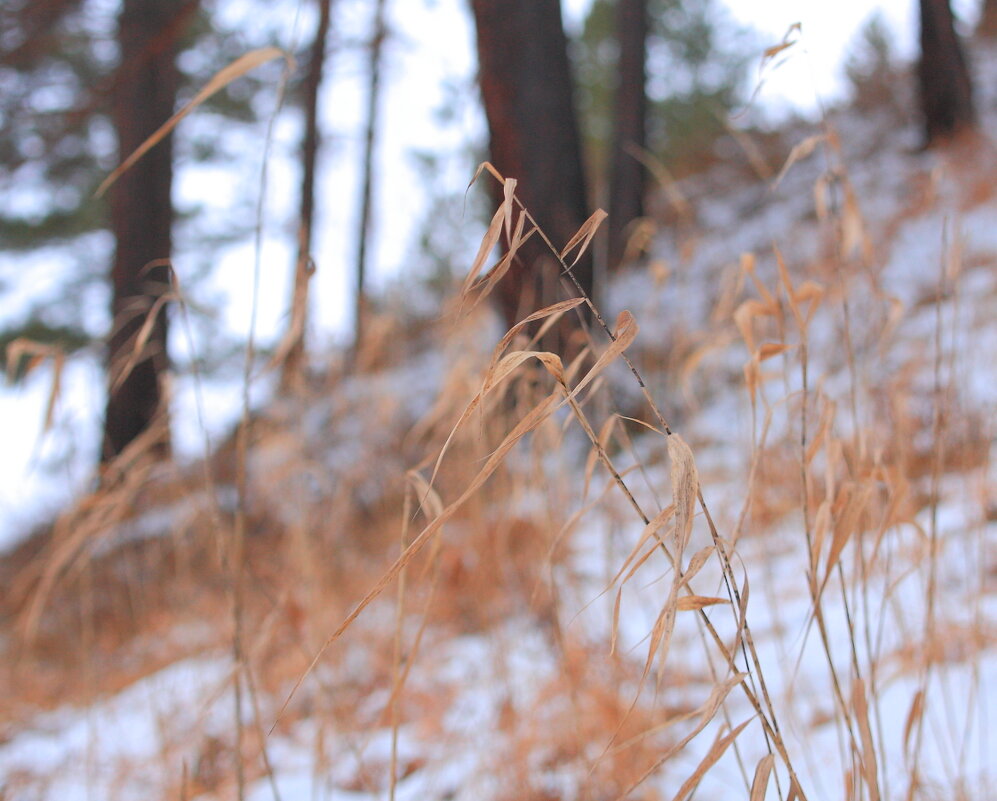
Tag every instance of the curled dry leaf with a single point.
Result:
(695, 602)
(508, 205)
(801, 151)
(36, 353)
(761, 781)
(488, 243)
(720, 745)
(650, 530)
(219, 81)
(429, 499)
(812, 293)
(787, 283)
(696, 564)
(685, 488)
(913, 718)
(789, 38)
(745, 314)
(769, 349)
(584, 235)
(626, 332)
(852, 225)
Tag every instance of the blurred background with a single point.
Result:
(237, 164)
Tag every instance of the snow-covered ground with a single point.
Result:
(519, 709)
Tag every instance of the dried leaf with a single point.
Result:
(846, 526)
(787, 42)
(429, 499)
(141, 340)
(650, 530)
(605, 434)
(584, 235)
(696, 564)
(787, 283)
(913, 717)
(751, 381)
(822, 524)
(509, 206)
(221, 79)
(660, 640)
(742, 613)
(696, 602)
(745, 313)
(770, 349)
(822, 191)
(487, 282)
(823, 429)
(486, 166)
(685, 489)
(748, 266)
(713, 755)
(801, 151)
(706, 713)
(616, 621)
(626, 332)
(36, 353)
(852, 227)
(870, 770)
(812, 293)
(488, 243)
(761, 781)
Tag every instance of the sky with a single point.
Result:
(417, 70)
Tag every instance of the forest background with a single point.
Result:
(405, 572)
(430, 137)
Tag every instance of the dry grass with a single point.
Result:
(511, 580)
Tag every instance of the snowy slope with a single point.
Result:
(526, 675)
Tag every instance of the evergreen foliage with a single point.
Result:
(59, 64)
(696, 73)
(872, 68)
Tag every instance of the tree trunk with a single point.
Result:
(987, 26)
(626, 179)
(527, 91)
(141, 220)
(366, 193)
(946, 89)
(293, 368)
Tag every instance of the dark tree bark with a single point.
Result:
(626, 178)
(987, 25)
(291, 373)
(946, 89)
(527, 90)
(366, 193)
(141, 220)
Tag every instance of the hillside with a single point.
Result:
(462, 573)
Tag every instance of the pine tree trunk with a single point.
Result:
(367, 188)
(141, 221)
(527, 91)
(946, 89)
(626, 179)
(987, 26)
(293, 368)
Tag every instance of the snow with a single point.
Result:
(493, 690)
(93, 752)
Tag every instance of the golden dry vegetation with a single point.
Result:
(740, 546)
